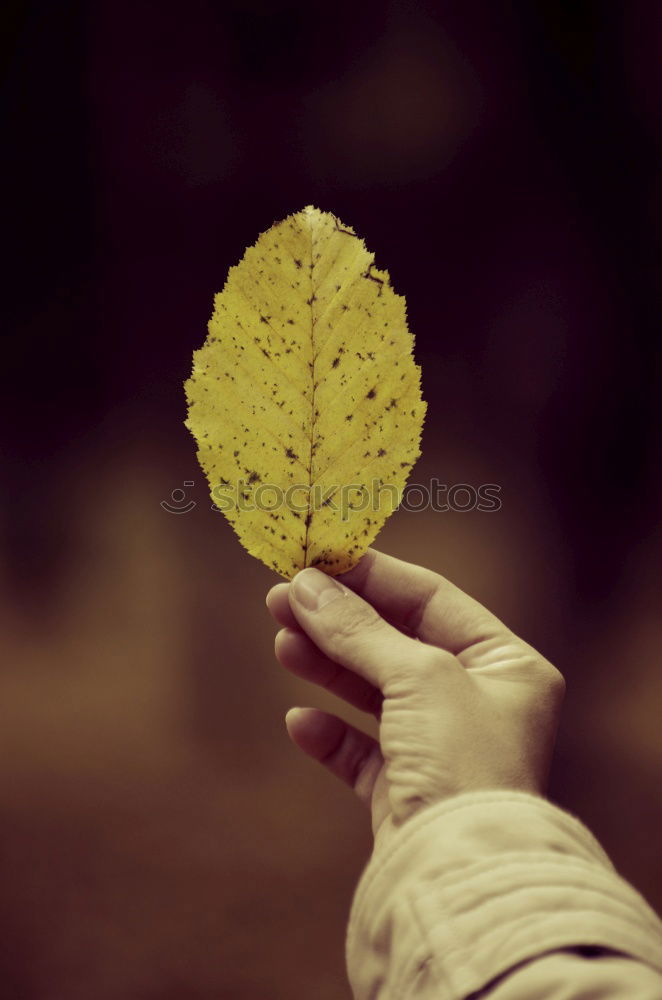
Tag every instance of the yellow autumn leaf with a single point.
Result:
(305, 400)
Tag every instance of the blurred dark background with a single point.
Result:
(160, 839)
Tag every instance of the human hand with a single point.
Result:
(463, 704)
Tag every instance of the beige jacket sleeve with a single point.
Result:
(502, 896)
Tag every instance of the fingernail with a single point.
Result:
(313, 589)
(292, 714)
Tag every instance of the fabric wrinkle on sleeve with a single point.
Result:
(482, 883)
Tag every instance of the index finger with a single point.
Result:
(421, 602)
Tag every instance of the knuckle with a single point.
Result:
(421, 670)
(551, 679)
(351, 633)
(557, 683)
(541, 672)
(357, 621)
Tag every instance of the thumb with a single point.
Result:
(349, 631)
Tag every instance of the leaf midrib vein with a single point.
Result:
(309, 514)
